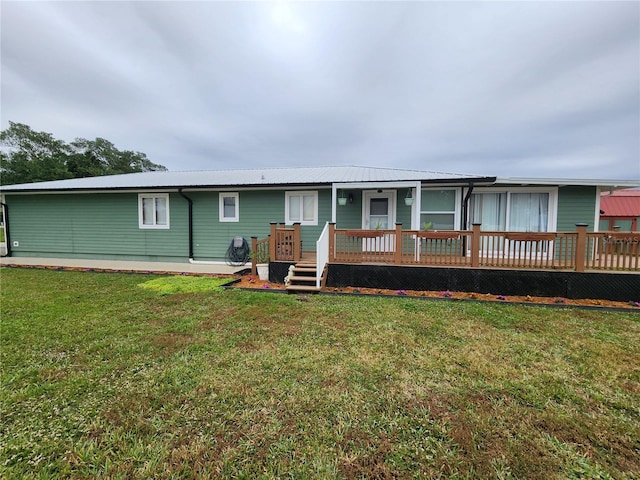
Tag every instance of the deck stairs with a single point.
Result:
(303, 278)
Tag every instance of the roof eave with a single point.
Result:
(569, 182)
(442, 181)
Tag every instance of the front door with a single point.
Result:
(379, 214)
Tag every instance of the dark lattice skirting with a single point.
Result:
(607, 286)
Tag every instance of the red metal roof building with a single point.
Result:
(620, 208)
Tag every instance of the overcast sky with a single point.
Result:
(526, 89)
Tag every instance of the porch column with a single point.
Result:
(297, 242)
(254, 248)
(397, 256)
(581, 244)
(334, 194)
(415, 208)
(272, 241)
(475, 245)
(332, 242)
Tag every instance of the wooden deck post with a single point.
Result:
(332, 241)
(272, 241)
(397, 256)
(475, 245)
(254, 247)
(581, 244)
(297, 242)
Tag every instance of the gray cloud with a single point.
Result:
(510, 88)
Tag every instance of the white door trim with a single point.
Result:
(367, 195)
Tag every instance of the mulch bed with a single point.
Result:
(250, 282)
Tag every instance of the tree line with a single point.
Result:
(30, 156)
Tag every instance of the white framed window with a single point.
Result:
(514, 209)
(439, 209)
(153, 210)
(301, 207)
(229, 207)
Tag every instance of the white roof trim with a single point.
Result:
(568, 182)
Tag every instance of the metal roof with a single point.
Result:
(621, 203)
(265, 177)
(239, 178)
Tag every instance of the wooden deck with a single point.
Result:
(577, 251)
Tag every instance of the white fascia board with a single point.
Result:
(381, 184)
(568, 182)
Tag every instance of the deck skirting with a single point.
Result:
(566, 284)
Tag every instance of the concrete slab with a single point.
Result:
(205, 268)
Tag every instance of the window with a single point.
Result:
(229, 207)
(379, 213)
(301, 207)
(438, 210)
(489, 209)
(153, 210)
(515, 210)
(529, 212)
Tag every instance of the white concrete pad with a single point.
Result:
(210, 268)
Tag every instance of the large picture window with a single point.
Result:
(301, 207)
(514, 210)
(229, 207)
(153, 210)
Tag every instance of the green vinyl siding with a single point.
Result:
(91, 225)
(211, 237)
(310, 234)
(576, 205)
(350, 215)
(603, 225)
(258, 208)
(403, 211)
(106, 225)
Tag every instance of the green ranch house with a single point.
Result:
(347, 225)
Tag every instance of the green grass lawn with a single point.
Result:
(104, 378)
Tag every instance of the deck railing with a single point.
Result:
(323, 247)
(435, 248)
(579, 250)
(282, 244)
(259, 251)
(613, 251)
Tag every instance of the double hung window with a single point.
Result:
(153, 210)
(301, 207)
(229, 207)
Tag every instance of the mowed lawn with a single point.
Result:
(104, 378)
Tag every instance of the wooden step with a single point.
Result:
(304, 269)
(302, 288)
(297, 278)
(303, 278)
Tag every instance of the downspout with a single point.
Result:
(465, 216)
(7, 239)
(190, 202)
(190, 220)
(465, 206)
